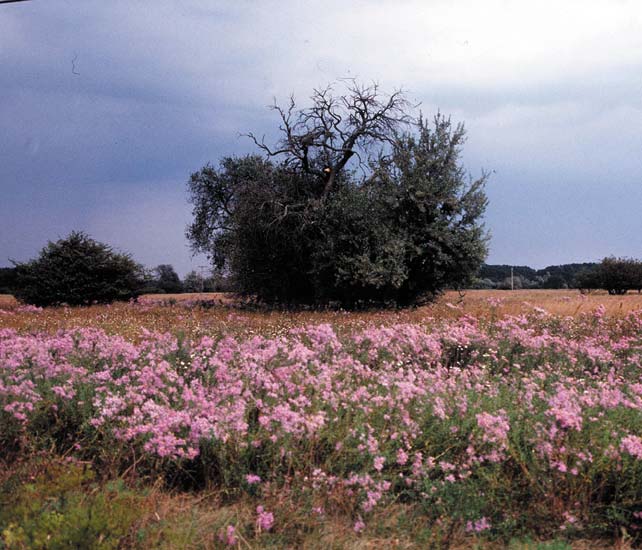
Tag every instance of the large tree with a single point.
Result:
(357, 203)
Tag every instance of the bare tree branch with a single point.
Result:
(323, 138)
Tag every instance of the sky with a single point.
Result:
(107, 107)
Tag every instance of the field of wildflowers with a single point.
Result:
(434, 431)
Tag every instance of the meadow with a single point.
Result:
(485, 420)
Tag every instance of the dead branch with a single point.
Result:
(322, 139)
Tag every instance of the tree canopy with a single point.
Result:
(358, 203)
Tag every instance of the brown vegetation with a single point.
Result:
(220, 312)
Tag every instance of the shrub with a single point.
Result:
(615, 275)
(77, 271)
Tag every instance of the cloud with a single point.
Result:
(150, 220)
(117, 94)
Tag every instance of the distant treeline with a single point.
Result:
(163, 279)
(554, 276)
(617, 275)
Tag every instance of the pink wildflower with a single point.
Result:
(478, 526)
(402, 457)
(229, 536)
(265, 520)
(632, 444)
(359, 525)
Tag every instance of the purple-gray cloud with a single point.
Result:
(106, 108)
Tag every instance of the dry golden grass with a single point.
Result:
(169, 313)
(476, 302)
(195, 520)
(6, 300)
(556, 302)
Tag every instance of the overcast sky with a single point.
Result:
(107, 106)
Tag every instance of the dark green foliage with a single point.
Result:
(77, 271)
(498, 273)
(410, 230)
(615, 275)
(236, 223)
(218, 282)
(193, 282)
(552, 277)
(437, 210)
(588, 279)
(554, 281)
(7, 280)
(565, 273)
(397, 232)
(167, 280)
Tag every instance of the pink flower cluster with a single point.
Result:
(367, 413)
